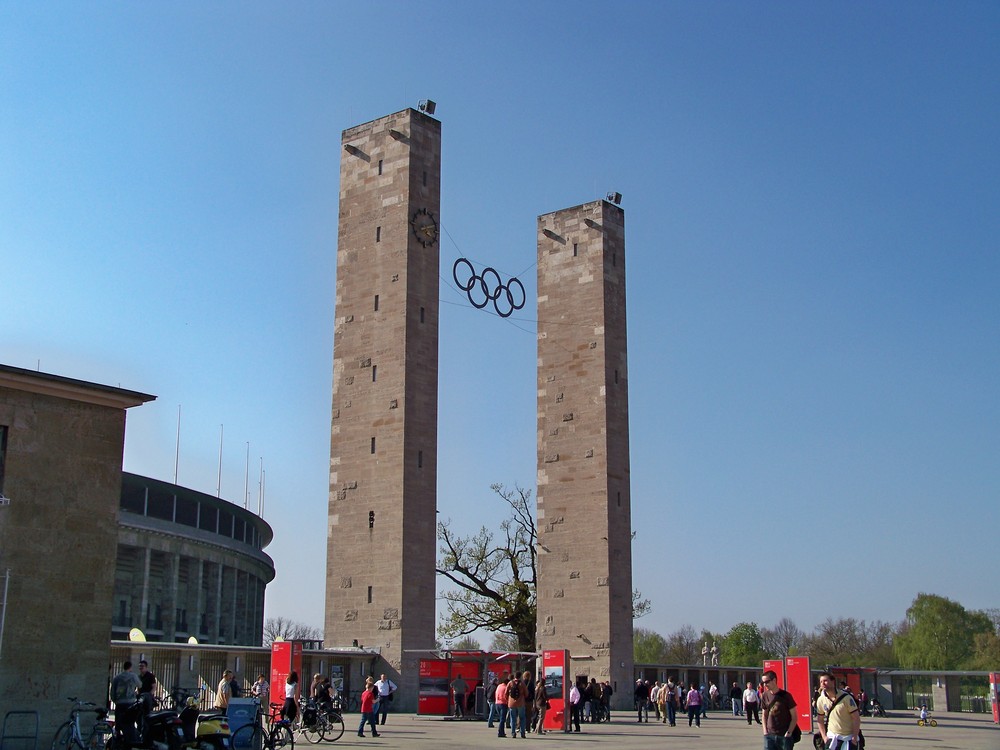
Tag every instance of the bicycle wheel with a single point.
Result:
(63, 738)
(248, 737)
(920, 723)
(933, 722)
(314, 732)
(99, 736)
(281, 737)
(334, 728)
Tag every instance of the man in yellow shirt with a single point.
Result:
(839, 717)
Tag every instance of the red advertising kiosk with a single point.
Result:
(995, 695)
(555, 669)
(794, 676)
(286, 657)
(798, 682)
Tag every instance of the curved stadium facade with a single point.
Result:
(188, 565)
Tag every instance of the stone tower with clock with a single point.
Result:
(584, 506)
(381, 540)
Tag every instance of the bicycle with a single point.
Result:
(317, 724)
(69, 734)
(257, 735)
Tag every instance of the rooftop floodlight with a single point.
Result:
(428, 106)
(615, 198)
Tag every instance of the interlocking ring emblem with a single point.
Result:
(483, 288)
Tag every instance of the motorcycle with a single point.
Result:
(203, 731)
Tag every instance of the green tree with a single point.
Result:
(742, 646)
(648, 647)
(495, 575)
(986, 654)
(466, 643)
(939, 634)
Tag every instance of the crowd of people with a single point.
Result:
(518, 703)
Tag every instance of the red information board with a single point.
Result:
(286, 657)
(555, 667)
(995, 695)
(778, 667)
(434, 693)
(798, 682)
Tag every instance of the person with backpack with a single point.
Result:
(780, 719)
(838, 714)
(491, 698)
(516, 693)
(541, 703)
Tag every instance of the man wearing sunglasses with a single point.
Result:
(779, 714)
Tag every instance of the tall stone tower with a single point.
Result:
(383, 448)
(584, 507)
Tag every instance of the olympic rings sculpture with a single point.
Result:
(483, 288)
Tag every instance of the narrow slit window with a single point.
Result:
(380, 172)
(376, 303)
(420, 459)
(421, 315)
(370, 588)
(371, 519)
(575, 249)
(619, 499)
(375, 373)
(616, 377)
(425, 178)
(378, 234)
(373, 446)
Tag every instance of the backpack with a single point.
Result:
(514, 691)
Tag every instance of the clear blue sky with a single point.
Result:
(811, 195)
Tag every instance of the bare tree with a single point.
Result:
(640, 607)
(683, 647)
(495, 575)
(851, 643)
(784, 639)
(289, 630)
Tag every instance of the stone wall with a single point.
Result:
(58, 537)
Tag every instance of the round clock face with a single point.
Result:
(425, 228)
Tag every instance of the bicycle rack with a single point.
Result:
(22, 721)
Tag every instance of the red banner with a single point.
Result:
(995, 695)
(286, 657)
(798, 682)
(555, 667)
(434, 692)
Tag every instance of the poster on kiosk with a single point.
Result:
(798, 682)
(555, 668)
(286, 657)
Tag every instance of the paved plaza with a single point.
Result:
(718, 732)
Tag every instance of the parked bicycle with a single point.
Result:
(317, 723)
(265, 733)
(70, 736)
